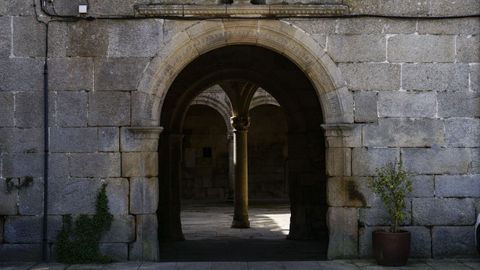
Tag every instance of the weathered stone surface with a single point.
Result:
(343, 231)
(73, 140)
(420, 246)
(321, 26)
(71, 109)
(131, 142)
(116, 251)
(23, 164)
(6, 109)
(30, 199)
(109, 109)
(121, 231)
(405, 104)
(145, 247)
(457, 185)
(356, 48)
(20, 229)
(14, 71)
(143, 195)
(95, 165)
(19, 140)
(86, 38)
(462, 132)
(118, 73)
(108, 139)
(349, 192)
(436, 160)
(338, 161)
(452, 8)
(404, 132)
(134, 38)
(28, 110)
(371, 76)
(423, 186)
(70, 74)
(57, 39)
(139, 164)
(421, 48)
(438, 211)
(5, 37)
(374, 26)
(118, 192)
(58, 165)
(475, 77)
(378, 214)
(474, 166)
(28, 37)
(17, 8)
(458, 104)
(467, 49)
(439, 77)
(366, 160)
(463, 26)
(365, 106)
(453, 241)
(8, 199)
(21, 252)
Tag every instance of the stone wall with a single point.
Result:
(414, 83)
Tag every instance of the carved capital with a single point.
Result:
(240, 122)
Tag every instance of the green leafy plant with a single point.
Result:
(393, 185)
(80, 243)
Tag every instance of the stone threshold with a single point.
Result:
(239, 10)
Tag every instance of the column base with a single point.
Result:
(241, 224)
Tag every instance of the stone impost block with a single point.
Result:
(108, 139)
(72, 109)
(436, 160)
(23, 229)
(134, 38)
(139, 164)
(453, 241)
(421, 241)
(8, 199)
(15, 70)
(6, 109)
(421, 48)
(28, 37)
(404, 132)
(145, 248)
(438, 211)
(28, 109)
(349, 192)
(70, 74)
(462, 132)
(73, 140)
(109, 108)
(403, 104)
(144, 107)
(116, 251)
(357, 48)
(365, 106)
(121, 231)
(458, 104)
(439, 77)
(365, 161)
(339, 161)
(342, 135)
(23, 164)
(143, 195)
(378, 214)
(457, 185)
(21, 252)
(459, 26)
(423, 186)
(17, 140)
(343, 232)
(121, 74)
(467, 49)
(140, 139)
(5, 36)
(95, 165)
(371, 76)
(30, 199)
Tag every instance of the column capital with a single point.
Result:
(240, 122)
(338, 130)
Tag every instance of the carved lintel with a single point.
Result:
(338, 130)
(145, 132)
(240, 10)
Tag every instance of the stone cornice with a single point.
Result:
(145, 132)
(250, 11)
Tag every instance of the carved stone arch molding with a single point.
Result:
(300, 48)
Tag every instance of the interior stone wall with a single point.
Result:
(415, 88)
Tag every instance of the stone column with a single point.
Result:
(240, 216)
(231, 164)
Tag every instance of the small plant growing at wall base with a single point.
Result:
(79, 242)
(392, 185)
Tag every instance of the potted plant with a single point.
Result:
(392, 247)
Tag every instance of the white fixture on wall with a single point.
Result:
(82, 9)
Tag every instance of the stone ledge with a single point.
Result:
(145, 132)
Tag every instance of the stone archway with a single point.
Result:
(298, 47)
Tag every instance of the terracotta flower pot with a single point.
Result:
(391, 249)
